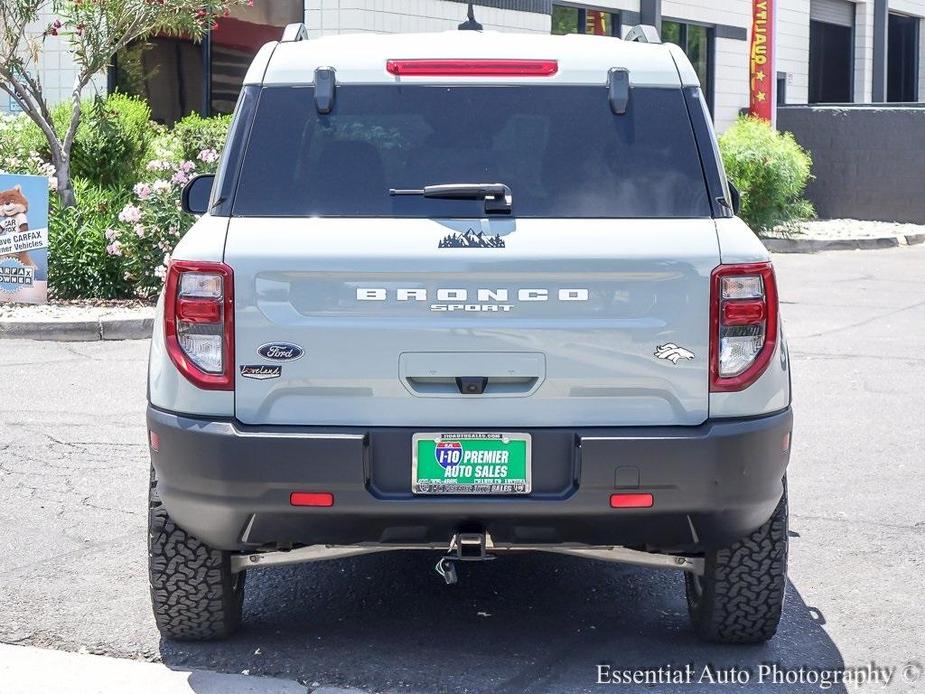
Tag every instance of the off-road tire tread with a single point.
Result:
(193, 592)
(744, 585)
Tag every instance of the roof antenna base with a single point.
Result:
(470, 24)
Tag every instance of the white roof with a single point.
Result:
(361, 58)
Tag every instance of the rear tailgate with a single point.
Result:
(565, 328)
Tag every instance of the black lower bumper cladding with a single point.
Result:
(229, 484)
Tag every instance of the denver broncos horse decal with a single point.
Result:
(673, 353)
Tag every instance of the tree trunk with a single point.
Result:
(66, 196)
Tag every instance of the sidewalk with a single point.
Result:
(28, 670)
(67, 323)
(845, 235)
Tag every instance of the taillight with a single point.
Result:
(743, 324)
(473, 68)
(199, 322)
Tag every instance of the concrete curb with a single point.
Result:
(25, 670)
(808, 245)
(103, 328)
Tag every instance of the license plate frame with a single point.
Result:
(519, 485)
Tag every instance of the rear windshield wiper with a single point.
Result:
(497, 196)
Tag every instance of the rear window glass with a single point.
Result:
(561, 150)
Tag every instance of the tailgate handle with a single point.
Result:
(470, 374)
(471, 385)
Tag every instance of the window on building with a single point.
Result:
(165, 72)
(831, 51)
(178, 77)
(903, 59)
(830, 63)
(781, 88)
(697, 42)
(568, 19)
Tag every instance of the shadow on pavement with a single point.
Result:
(533, 623)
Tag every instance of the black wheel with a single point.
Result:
(740, 597)
(193, 592)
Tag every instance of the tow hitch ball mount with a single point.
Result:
(475, 547)
(463, 547)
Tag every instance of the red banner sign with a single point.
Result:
(762, 76)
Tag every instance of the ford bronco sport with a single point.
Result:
(475, 293)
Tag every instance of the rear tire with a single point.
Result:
(193, 592)
(740, 597)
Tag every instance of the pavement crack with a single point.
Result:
(59, 558)
(86, 502)
(820, 355)
(866, 321)
(77, 353)
(917, 527)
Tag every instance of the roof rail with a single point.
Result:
(294, 32)
(643, 33)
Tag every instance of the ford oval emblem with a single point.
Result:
(280, 351)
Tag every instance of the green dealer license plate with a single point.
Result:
(470, 463)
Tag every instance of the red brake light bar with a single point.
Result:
(743, 312)
(199, 311)
(473, 68)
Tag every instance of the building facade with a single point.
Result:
(828, 51)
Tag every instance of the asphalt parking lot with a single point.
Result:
(73, 480)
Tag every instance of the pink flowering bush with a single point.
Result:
(128, 176)
(148, 227)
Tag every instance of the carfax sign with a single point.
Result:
(23, 239)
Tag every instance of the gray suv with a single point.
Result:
(476, 293)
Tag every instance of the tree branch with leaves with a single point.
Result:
(93, 31)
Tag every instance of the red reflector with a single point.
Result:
(467, 68)
(311, 499)
(199, 311)
(631, 501)
(746, 312)
(155, 441)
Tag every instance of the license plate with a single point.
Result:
(470, 463)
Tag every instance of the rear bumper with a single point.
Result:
(229, 485)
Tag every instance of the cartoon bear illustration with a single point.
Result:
(13, 209)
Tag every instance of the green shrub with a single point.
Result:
(770, 169)
(79, 265)
(194, 134)
(112, 140)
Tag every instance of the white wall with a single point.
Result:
(863, 51)
(56, 68)
(793, 47)
(730, 93)
(391, 16)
